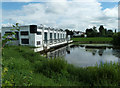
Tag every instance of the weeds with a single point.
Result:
(23, 67)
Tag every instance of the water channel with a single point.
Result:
(83, 55)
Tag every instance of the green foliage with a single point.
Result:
(92, 32)
(56, 65)
(94, 39)
(21, 69)
(7, 36)
(116, 39)
(102, 31)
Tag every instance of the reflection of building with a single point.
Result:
(38, 36)
(61, 52)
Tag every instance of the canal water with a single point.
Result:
(86, 54)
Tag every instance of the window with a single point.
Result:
(33, 28)
(54, 35)
(45, 36)
(24, 32)
(50, 35)
(8, 32)
(38, 33)
(58, 35)
(38, 42)
(61, 35)
(15, 36)
(25, 41)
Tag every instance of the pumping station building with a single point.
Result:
(38, 36)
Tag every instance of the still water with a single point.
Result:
(85, 55)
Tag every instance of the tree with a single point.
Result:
(109, 33)
(116, 39)
(7, 36)
(115, 30)
(69, 32)
(102, 31)
(92, 32)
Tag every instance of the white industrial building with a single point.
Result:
(38, 36)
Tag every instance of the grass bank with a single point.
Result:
(23, 67)
(93, 39)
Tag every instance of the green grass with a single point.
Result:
(94, 39)
(23, 67)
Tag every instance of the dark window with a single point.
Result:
(16, 35)
(33, 28)
(50, 35)
(7, 32)
(45, 36)
(58, 35)
(38, 42)
(25, 41)
(61, 35)
(54, 35)
(38, 33)
(24, 32)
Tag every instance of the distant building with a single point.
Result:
(37, 36)
(78, 34)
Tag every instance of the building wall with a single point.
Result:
(38, 40)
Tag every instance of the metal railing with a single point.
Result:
(54, 41)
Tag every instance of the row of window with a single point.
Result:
(26, 41)
(26, 33)
(59, 35)
(38, 33)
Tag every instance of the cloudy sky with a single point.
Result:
(66, 14)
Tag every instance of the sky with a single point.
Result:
(65, 14)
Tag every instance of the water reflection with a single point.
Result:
(86, 56)
(61, 52)
(116, 52)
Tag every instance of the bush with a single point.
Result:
(56, 65)
(116, 39)
(26, 70)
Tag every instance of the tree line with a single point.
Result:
(103, 32)
(92, 32)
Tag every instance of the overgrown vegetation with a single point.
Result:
(116, 39)
(23, 67)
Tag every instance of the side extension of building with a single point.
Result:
(38, 36)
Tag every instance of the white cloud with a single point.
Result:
(59, 0)
(111, 12)
(17, 0)
(72, 15)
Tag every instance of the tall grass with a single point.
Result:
(23, 67)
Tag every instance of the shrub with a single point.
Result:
(56, 65)
(116, 39)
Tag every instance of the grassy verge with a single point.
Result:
(93, 39)
(23, 67)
